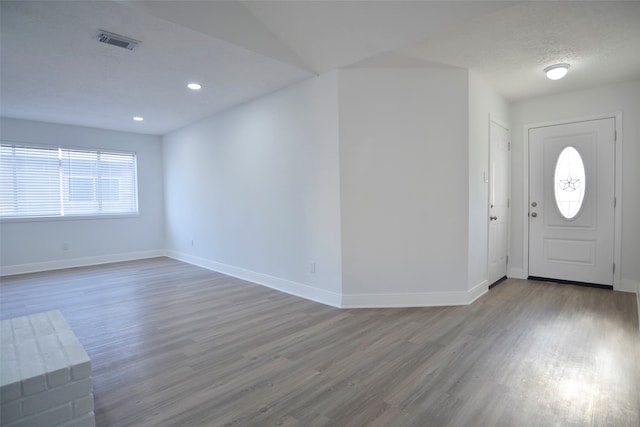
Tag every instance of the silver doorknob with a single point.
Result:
(534, 204)
(533, 214)
(493, 218)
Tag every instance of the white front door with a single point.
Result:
(571, 201)
(498, 201)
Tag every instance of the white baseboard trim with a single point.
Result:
(638, 302)
(420, 299)
(633, 286)
(11, 270)
(415, 299)
(627, 285)
(287, 286)
(478, 290)
(516, 273)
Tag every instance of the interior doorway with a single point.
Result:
(499, 147)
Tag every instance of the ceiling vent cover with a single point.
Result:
(117, 40)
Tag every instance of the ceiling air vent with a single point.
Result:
(117, 40)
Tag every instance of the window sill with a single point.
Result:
(9, 220)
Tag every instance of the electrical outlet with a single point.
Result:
(191, 242)
(65, 246)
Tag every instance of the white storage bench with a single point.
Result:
(45, 374)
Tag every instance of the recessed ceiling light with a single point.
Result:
(138, 118)
(557, 71)
(194, 86)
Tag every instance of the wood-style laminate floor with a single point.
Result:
(176, 345)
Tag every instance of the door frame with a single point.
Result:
(617, 231)
(488, 181)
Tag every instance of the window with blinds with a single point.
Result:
(58, 181)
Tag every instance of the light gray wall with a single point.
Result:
(624, 97)
(404, 181)
(256, 188)
(38, 245)
(484, 102)
(373, 175)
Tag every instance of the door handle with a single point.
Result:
(493, 218)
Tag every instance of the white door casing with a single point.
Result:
(581, 248)
(498, 201)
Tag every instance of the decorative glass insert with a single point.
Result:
(569, 182)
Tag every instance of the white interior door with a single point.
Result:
(571, 201)
(498, 201)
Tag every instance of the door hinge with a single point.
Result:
(615, 135)
(615, 202)
(507, 259)
(508, 203)
(614, 268)
(509, 146)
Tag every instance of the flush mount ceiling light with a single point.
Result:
(557, 71)
(194, 86)
(138, 118)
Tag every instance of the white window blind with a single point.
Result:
(58, 181)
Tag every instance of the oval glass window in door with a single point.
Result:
(569, 182)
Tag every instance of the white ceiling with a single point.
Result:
(52, 68)
(511, 47)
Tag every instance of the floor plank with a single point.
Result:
(173, 344)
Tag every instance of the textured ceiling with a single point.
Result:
(52, 69)
(335, 34)
(511, 47)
